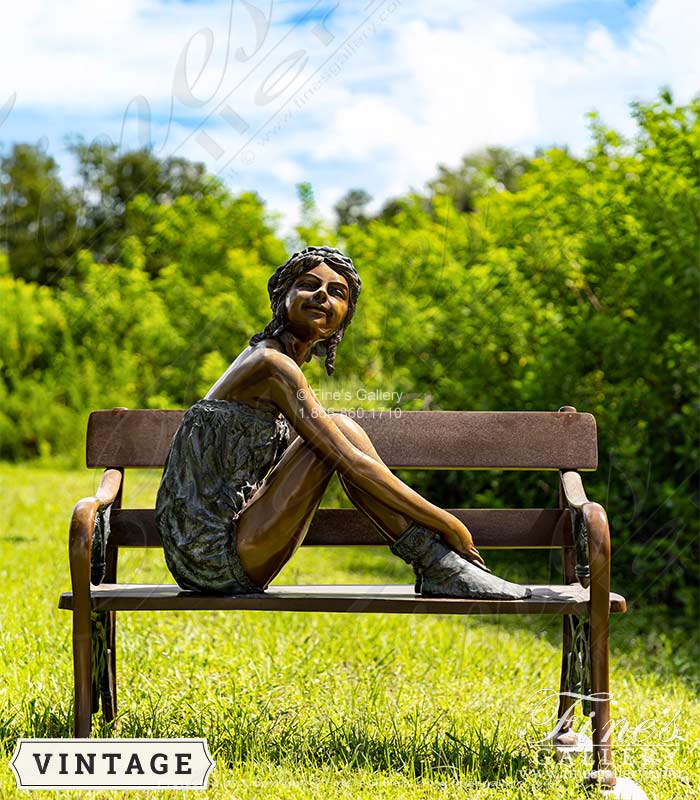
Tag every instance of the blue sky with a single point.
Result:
(372, 94)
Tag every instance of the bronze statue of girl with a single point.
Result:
(250, 462)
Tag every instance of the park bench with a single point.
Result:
(565, 441)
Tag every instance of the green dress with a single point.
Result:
(219, 456)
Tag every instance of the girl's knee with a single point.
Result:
(355, 433)
(348, 425)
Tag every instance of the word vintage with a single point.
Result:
(111, 763)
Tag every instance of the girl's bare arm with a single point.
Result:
(287, 387)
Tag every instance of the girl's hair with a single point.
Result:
(283, 279)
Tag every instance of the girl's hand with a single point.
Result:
(458, 537)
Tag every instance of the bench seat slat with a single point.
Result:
(510, 527)
(355, 599)
(414, 440)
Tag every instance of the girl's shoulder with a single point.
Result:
(273, 362)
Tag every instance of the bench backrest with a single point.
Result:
(124, 438)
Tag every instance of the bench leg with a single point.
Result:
(567, 702)
(602, 772)
(567, 699)
(599, 540)
(108, 689)
(93, 669)
(575, 684)
(82, 676)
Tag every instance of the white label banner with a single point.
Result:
(112, 763)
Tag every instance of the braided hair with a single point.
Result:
(281, 282)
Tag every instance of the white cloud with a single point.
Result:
(82, 55)
(411, 87)
(669, 35)
(490, 79)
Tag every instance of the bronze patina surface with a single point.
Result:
(219, 536)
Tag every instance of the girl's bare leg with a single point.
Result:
(274, 522)
(390, 523)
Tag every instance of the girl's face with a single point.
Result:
(317, 303)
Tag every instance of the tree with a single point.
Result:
(311, 229)
(482, 172)
(38, 215)
(350, 209)
(111, 180)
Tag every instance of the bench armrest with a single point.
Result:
(591, 533)
(82, 525)
(574, 493)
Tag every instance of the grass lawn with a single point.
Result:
(344, 706)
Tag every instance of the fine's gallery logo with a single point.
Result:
(112, 763)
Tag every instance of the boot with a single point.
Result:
(441, 572)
